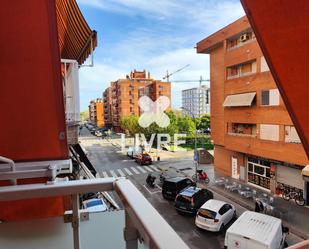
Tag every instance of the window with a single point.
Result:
(270, 97)
(240, 39)
(269, 132)
(242, 129)
(291, 135)
(264, 66)
(241, 69)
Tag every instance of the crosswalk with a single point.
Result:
(123, 172)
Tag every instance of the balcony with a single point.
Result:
(133, 227)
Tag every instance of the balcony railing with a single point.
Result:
(142, 222)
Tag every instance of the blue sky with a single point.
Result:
(153, 35)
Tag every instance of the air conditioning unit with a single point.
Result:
(244, 37)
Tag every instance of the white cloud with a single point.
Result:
(203, 13)
(168, 45)
(94, 80)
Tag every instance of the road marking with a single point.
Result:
(121, 173)
(105, 174)
(147, 168)
(141, 169)
(113, 173)
(154, 168)
(128, 171)
(134, 170)
(150, 192)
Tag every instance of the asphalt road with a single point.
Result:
(108, 160)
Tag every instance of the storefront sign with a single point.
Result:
(234, 168)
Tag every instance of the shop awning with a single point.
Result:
(244, 99)
(305, 171)
(76, 39)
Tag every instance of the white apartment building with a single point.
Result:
(196, 101)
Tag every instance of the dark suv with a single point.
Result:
(191, 199)
(172, 186)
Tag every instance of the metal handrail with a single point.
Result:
(142, 220)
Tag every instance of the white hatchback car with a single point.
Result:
(214, 215)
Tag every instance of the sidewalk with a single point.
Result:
(295, 217)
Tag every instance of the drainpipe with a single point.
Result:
(12, 165)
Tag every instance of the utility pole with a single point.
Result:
(195, 141)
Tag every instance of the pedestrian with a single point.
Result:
(259, 207)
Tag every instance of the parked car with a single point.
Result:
(256, 230)
(191, 199)
(214, 215)
(95, 205)
(143, 159)
(173, 185)
(133, 151)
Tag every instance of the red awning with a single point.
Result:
(76, 39)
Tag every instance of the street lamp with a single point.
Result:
(195, 141)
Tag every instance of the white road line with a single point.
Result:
(128, 171)
(113, 173)
(104, 173)
(147, 168)
(141, 169)
(154, 168)
(135, 170)
(150, 192)
(121, 173)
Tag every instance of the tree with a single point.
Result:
(130, 124)
(203, 122)
(186, 125)
(84, 115)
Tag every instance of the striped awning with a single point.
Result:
(76, 39)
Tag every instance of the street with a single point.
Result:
(109, 161)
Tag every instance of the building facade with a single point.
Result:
(96, 112)
(196, 101)
(254, 137)
(121, 98)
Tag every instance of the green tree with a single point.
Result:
(186, 125)
(84, 115)
(130, 124)
(203, 122)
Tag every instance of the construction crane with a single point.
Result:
(201, 80)
(167, 76)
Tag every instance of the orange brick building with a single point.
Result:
(121, 98)
(254, 137)
(96, 112)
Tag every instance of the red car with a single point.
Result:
(143, 159)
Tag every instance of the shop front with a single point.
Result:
(305, 175)
(275, 176)
(258, 172)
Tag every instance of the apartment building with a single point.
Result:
(121, 98)
(196, 101)
(254, 137)
(107, 107)
(96, 112)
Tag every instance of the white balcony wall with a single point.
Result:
(102, 230)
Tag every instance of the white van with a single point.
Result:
(256, 231)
